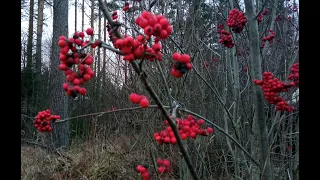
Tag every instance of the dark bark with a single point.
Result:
(58, 99)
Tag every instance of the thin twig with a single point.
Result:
(225, 133)
(215, 92)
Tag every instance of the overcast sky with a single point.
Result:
(47, 30)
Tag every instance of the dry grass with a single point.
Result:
(100, 159)
(81, 162)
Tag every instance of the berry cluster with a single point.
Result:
(295, 74)
(70, 56)
(272, 87)
(115, 15)
(126, 6)
(153, 25)
(269, 38)
(236, 20)
(136, 49)
(219, 28)
(278, 18)
(144, 172)
(156, 25)
(226, 39)
(43, 120)
(260, 16)
(188, 127)
(181, 64)
(164, 165)
(139, 99)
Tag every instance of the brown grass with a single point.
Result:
(85, 161)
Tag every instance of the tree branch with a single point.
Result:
(225, 133)
(143, 78)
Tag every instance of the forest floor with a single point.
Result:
(85, 161)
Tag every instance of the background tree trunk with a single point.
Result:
(58, 98)
(256, 73)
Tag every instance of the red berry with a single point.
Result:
(161, 169)
(76, 81)
(62, 43)
(144, 102)
(200, 121)
(164, 23)
(173, 140)
(135, 98)
(176, 56)
(81, 34)
(86, 77)
(189, 65)
(159, 161)
(210, 130)
(157, 27)
(83, 91)
(65, 86)
(148, 30)
(63, 67)
(167, 139)
(89, 61)
(145, 175)
(89, 31)
(166, 162)
(156, 47)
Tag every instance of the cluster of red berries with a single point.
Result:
(43, 120)
(294, 76)
(181, 64)
(260, 16)
(164, 165)
(236, 20)
(219, 28)
(156, 25)
(272, 87)
(139, 99)
(137, 48)
(278, 18)
(153, 25)
(144, 172)
(226, 39)
(69, 56)
(269, 38)
(188, 127)
(115, 15)
(126, 6)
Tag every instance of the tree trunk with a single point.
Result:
(39, 51)
(75, 15)
(98, 84)
(82, 19)
(256, 73)
(30, 38)
(39, 35)
(58, 99)
(104, 54)
(27, 76)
